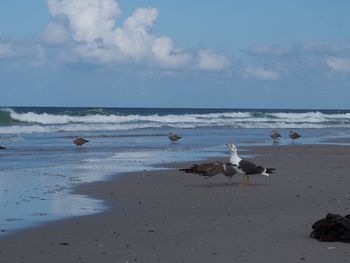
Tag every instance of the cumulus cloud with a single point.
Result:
(261, 73)
(92, 25)
(208, 60)
(88, 20)
(339, 64)
(55, 34)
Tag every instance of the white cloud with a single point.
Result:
(208, 60)
(270, 50)
(55, 33)
(92, 25)
(339, 64)
(134, 38)
(261, 73)
(167, 54)
(88, 20)
(6, 50)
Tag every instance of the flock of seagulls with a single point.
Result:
(79, 141)
(292, 134)
(236, 165)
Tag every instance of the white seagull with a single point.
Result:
(246, 167)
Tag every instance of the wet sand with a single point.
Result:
(168, 216)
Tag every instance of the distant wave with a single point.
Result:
(13, 122)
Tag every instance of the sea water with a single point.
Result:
(41, 165)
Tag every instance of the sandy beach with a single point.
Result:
(168, 216)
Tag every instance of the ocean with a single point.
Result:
(41, 165)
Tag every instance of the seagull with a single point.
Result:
(294, 135)
(275, 134)
(173, 137)
(246, 167)
(229, 171)
(78, 141)
(2, 148)
(211, 169)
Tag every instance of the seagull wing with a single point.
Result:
(230, 170)
(206, 169)
(250, 168)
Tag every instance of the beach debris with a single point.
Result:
(275, 134)
(294, 135)
(246, 167)
(211, 169)
(64, 244)
(173, 137)
(78, 141)
(2, 148)
(332, 228)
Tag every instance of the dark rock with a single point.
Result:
(332, 228)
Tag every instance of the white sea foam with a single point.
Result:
(31, 122)
(45, 118)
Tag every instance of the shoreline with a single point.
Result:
(168, 216)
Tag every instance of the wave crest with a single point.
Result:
(32, 122)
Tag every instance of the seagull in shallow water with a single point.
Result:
(173, 137)
(294, 135)
(78, 141)
(211, 169)
(2, 148)
(275, 134)
(245, 167)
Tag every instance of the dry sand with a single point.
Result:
(167, 216)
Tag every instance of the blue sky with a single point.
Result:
(128, 53)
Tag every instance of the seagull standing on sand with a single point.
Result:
(173, 137)
(246, 167)
(294, 135)
(229, 171)
(275, 135)
(211, 169)
(78, 141)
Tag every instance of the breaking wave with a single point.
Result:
(13, 121)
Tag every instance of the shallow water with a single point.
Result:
(38, 170)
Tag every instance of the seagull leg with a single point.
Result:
(248, 180)
(243, 183)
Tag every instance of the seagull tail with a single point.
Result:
(270, 170)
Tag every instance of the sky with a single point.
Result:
(153, 53)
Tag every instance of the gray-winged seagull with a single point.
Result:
(78, 141)
(294, 135)
(211, 169)
(173, 137)
(275, 134)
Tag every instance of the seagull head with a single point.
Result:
(231, 147)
